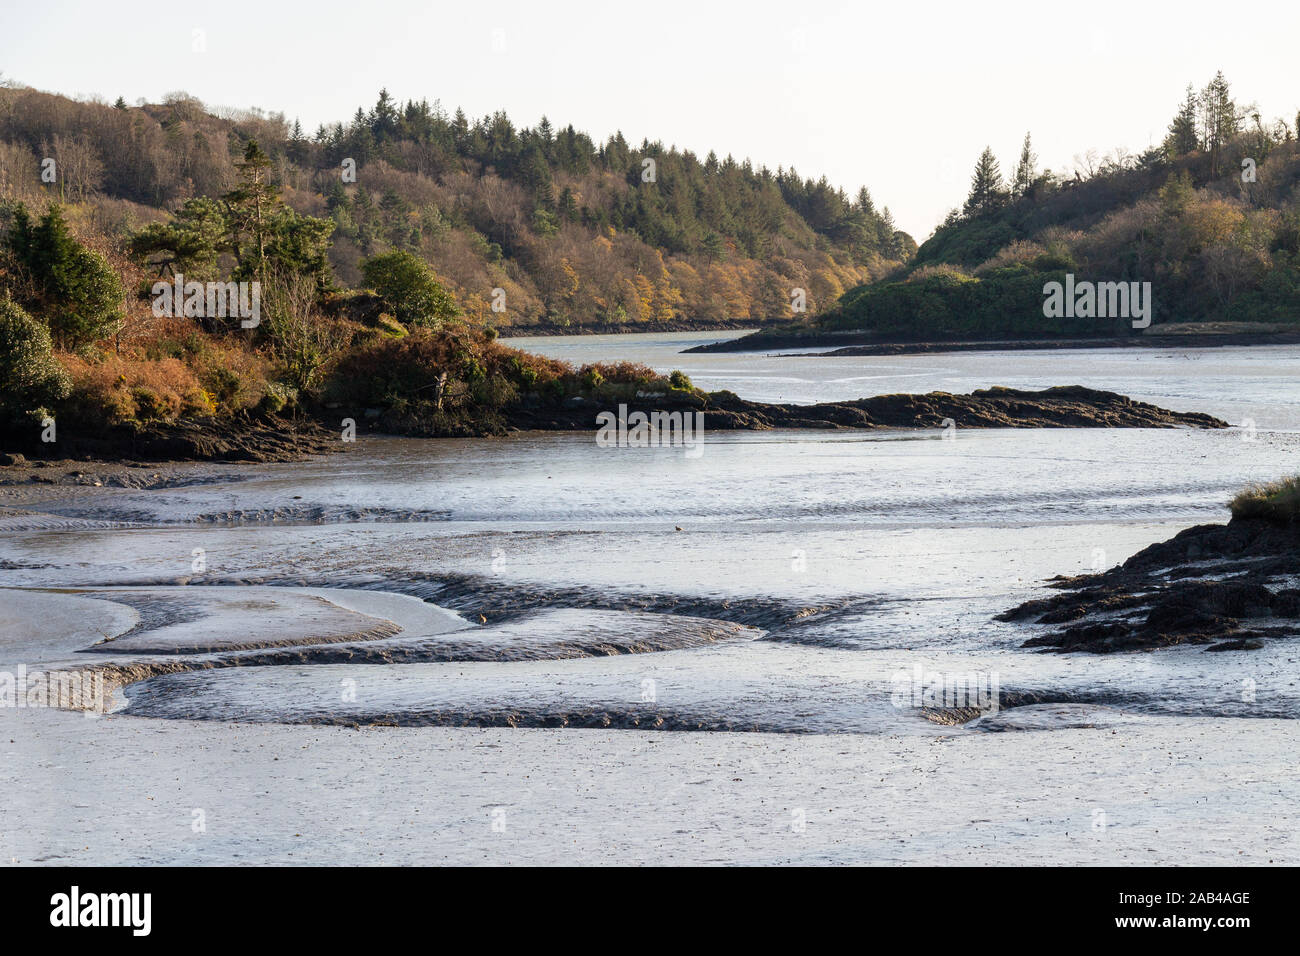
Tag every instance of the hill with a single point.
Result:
(523, 225)
(1210, 219)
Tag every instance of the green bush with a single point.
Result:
(30, 378)
(78, 292)
(278, 397)
(408, 288)
(679, 380)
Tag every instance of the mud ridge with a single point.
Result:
(484, 600)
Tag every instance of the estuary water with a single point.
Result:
(850, 558)
(785, 583)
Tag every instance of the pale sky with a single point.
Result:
(900, 97)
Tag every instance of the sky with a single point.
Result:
(900, 96)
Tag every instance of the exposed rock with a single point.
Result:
(1067, 406)
(206, 440)
(1225, 586)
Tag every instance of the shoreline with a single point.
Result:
(219, 440)
(856, 343)
(1063, 406)
(643, 328)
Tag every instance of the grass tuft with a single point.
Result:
(1277, 502)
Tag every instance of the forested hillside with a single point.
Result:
(573, 232)
(169, 273)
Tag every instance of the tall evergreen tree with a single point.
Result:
(864, 202)
(1219, 119)
(888, 235)
(1182, 138)
(251, 204)
(384, 125)
(986, 188)
(1026, 170)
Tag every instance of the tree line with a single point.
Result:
(572, 230)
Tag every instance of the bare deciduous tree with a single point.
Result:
(302, 338)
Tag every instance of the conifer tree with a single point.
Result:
(383, 118)
(1026, 170)
(251, 204)
(76, 291)
(864, 202)
(986, 189)
(1182, 138)
(1219, 120)
(888, 233)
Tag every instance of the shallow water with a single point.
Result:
(860, 557)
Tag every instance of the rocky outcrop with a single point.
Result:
(1071, 406)
(1227, 587)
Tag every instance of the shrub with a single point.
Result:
(408, 288)
(303, 340)
(1019, 251)
(76, 289)
(679, 380)
(121, 391)
(278, 397)
(940, 270)
(30, 378)
(236, 379)
(428, 371)
(1277, 502)
(524, 374)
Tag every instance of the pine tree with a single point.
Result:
(1026, 170)
(864, 202)
(888, 235)
(460, 130)
(712, 246)
(297, 146)
(1219, 120)
(251, 204)
(1182, 138)
(568, 205)
(986, 189)
(383, 118)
